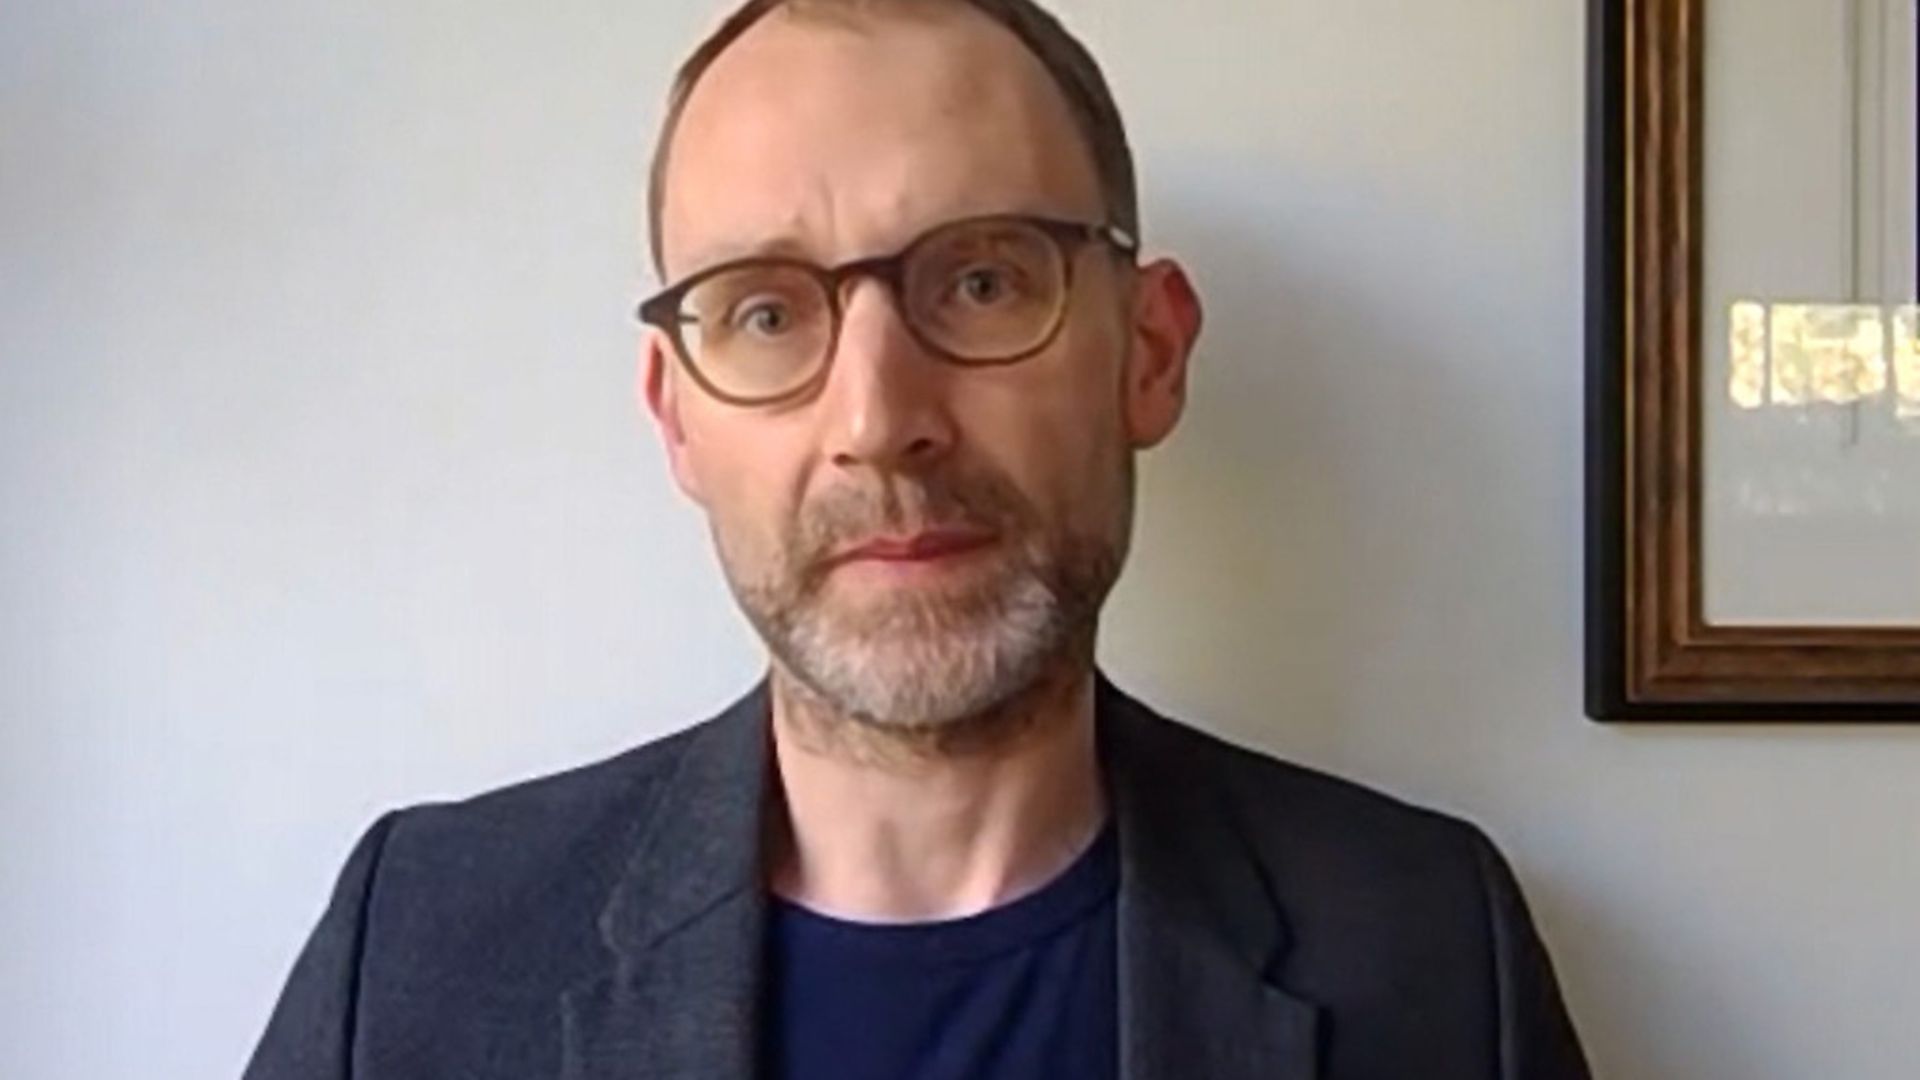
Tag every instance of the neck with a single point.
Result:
(899, 826)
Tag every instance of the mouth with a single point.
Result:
(913, 549)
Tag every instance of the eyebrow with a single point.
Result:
(790, 246)
(786, 246)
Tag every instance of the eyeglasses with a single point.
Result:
(982, 291)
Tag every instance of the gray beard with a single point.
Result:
(925, 662)
(915, 663)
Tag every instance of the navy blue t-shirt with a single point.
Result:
(1024, 991)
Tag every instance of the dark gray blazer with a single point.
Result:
(607, 923)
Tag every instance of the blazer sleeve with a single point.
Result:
(1536, 1036)
(311, 1032)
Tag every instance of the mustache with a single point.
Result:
(980, 499)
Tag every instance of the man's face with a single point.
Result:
(916, 541)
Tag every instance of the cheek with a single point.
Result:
(1082, 403)
(1054, 428)
(747, 480)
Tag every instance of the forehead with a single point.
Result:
(838, 137)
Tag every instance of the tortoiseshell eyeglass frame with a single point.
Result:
(664, 310)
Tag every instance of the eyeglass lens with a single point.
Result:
(978, 292)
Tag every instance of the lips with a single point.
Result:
(917, 547)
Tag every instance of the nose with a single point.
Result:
(885, 403)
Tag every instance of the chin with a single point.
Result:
(918, 693)
(924, 674)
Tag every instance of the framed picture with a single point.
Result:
(1753, 361)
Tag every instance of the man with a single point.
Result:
(905, 358)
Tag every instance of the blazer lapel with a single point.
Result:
(684, 926)
(680, 997)
(1198, 928)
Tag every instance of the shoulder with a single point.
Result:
(518, 875)
(1269, 795)
(1404, 922)
(1321, 841)
(524, 817)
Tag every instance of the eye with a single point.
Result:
(983, 285)
(765, 316)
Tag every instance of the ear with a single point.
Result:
(659, 393)
(1167, 317)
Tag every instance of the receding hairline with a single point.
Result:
(855, 14)
(1070, 68)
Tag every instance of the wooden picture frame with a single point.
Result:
(1651, 653)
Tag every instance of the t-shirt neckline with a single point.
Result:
(1089, 881)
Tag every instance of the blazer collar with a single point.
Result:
(684, 926)
(702, 845)
(1200, 932)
